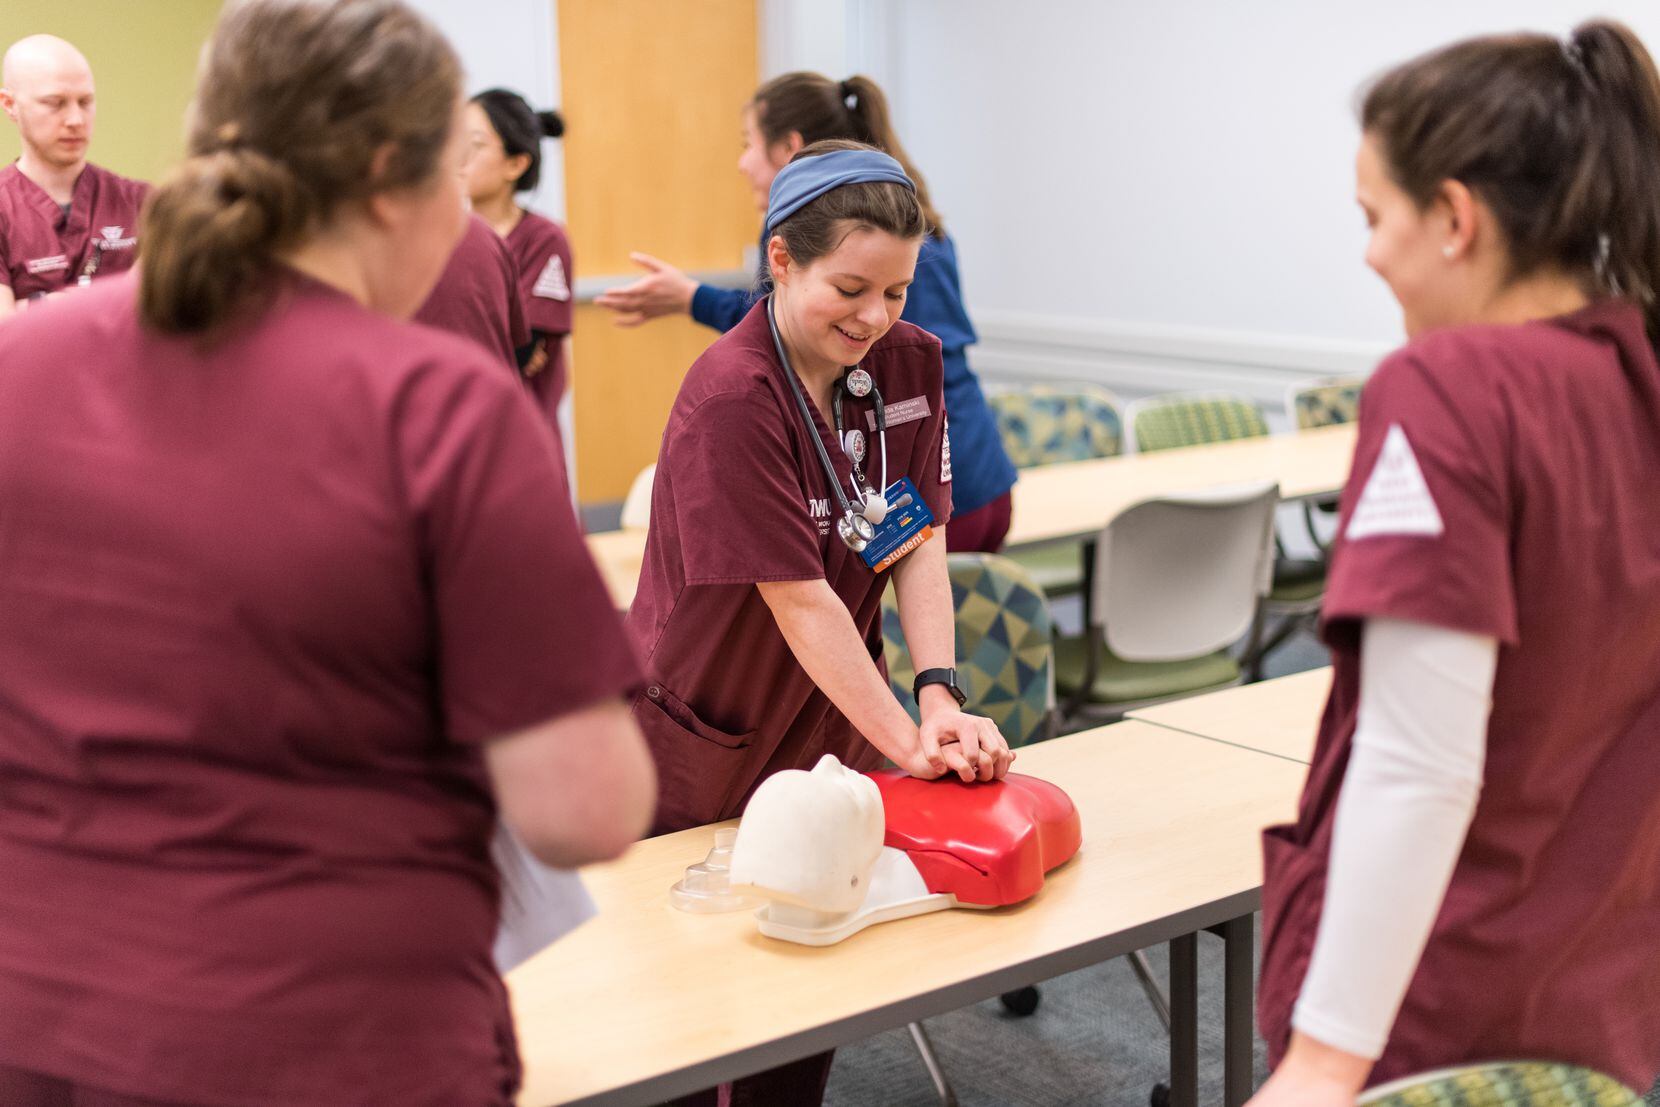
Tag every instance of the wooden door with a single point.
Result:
(652, 93)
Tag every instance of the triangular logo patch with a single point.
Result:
(1395, 500)
(552, 285)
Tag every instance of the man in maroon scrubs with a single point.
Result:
(63, 220)
(478, 295)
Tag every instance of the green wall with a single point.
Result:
(143, 55)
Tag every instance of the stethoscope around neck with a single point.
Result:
(857, 525)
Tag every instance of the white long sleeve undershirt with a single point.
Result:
(1407, 799)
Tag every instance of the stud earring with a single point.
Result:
(1448, 250)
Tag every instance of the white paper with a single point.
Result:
(539, 905)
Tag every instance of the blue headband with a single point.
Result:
(805, 180)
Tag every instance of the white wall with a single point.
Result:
(1160, 194)
(511, 44)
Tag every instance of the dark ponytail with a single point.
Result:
(1560, 139)
(521, 130)
(817, 108)
(296, 102)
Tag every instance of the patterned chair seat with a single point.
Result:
(1325, 403)
(1004, 655)
(1043, 425)
(1505, 1084)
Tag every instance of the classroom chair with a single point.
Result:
(1175, 420)
(1325, 402)
(1505, 1084)
(1044, 425)
(1177, 580)
(1004, 633)
(636, 509)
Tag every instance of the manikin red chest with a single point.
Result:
(987, 844)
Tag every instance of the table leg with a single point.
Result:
(1184, 1021)
(1238, 1035)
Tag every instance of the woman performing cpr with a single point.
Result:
(805, 459)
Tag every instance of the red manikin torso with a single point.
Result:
(986, 844)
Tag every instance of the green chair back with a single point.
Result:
(1041, 425)
(1508, 1084)
(1326, 403)
(1167, 422)
(1005, 660)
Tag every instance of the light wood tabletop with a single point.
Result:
(1072, 500)
(644, 1002)
(1277, 716)
(619, 555)
(1075, 499)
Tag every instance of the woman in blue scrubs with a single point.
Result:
(784, 115)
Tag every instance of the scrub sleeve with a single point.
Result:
(546, 281)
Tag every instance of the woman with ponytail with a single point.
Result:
(278, 651)
(1471, 876)
(506, 136)
(786, 114)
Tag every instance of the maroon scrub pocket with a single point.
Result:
(698, 767)
(1293, 891)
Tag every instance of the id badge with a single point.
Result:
(908, 525)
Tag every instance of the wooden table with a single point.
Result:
(619, 555)
(1278, 717)
(1073, 500)
(646, 1003)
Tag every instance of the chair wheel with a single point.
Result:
(1021, 1001)
(1160, 1096)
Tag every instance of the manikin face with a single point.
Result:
(49, 95)
(1407, 246)
(489, 172)
(834, 309)
(760, 163)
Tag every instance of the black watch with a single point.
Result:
(947, 677)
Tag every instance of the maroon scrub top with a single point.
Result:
(265, 599)
(546, 279)
(477, 295)
(1538, 446)
(43, 250)
(741, 497)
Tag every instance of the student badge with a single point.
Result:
(907, 525)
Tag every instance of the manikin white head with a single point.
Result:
(811, 838)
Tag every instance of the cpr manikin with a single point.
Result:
(833, 851)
